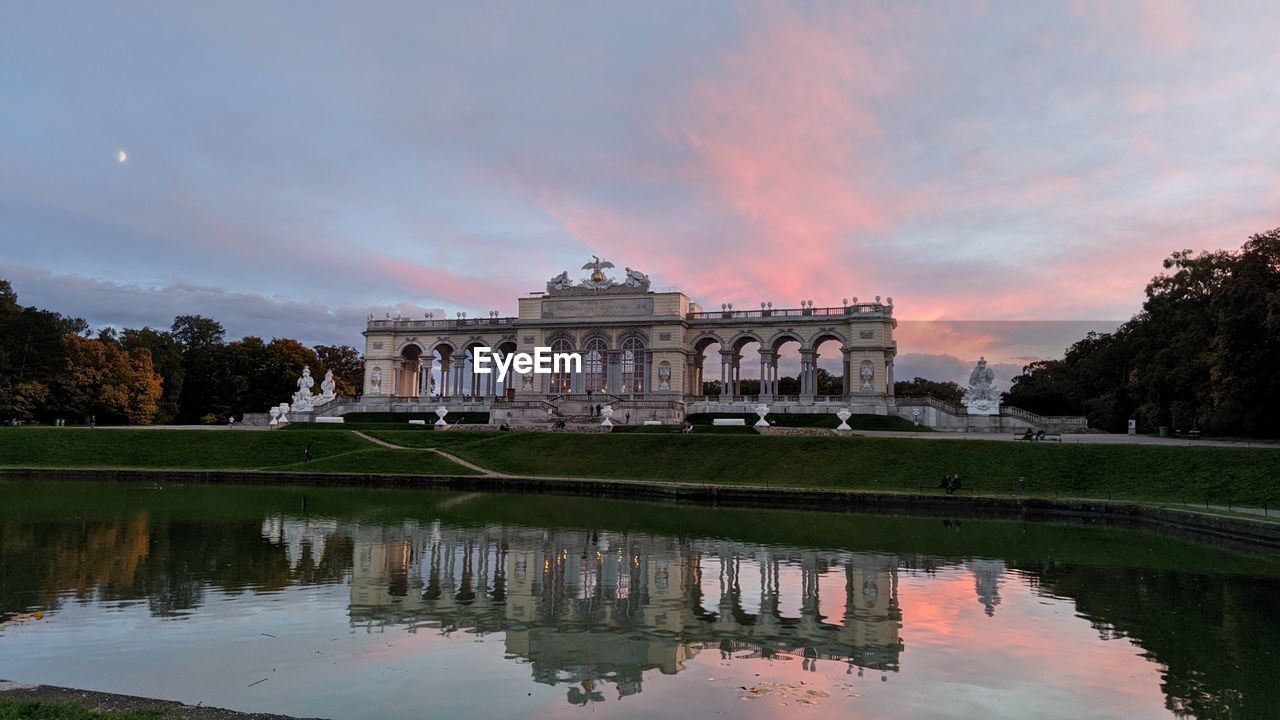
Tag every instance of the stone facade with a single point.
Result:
(639, 347)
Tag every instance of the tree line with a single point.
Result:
(1201, 354)
(53, 367)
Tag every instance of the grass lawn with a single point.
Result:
(38, 710)
(1237, 476)
(1240, 476)
(381, 461)
(211, 450)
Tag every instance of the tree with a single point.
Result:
(32, 355)
(948, 391)
(104, 379)
(1200, 354)
(201, 340)
(166, 357)
(347, 366)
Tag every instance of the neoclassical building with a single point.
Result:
(640, 347)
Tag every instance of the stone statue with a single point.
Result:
(981, 398)
(326, 387)
(866, 372)
(636, 279)
(664, 376)
(302, 398)
(559, 283)
(375, 382)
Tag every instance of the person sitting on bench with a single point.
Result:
(1027, 435)
(1040, 436)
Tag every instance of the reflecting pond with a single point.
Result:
(391, 604)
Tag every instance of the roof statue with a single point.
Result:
(598, 282)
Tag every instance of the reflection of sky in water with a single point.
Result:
(510, 621)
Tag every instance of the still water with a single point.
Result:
(387, 604)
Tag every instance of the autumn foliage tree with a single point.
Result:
(103, 378)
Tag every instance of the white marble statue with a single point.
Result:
(302, 398)
(375, 382)
(559, 282)
(982, 398)
(326, 387)
(636, 279)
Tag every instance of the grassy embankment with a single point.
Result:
(39, 710)
(1220, 476)
(332, 452)
(1239, 476)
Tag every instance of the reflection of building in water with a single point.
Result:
(986, 576)
(300, 537)
(587, 607)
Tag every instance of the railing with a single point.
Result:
(1076, 421)
(406, 323)
(933, 402)
(860, 308)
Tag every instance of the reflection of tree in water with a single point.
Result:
(1210, 632)
(168, 563)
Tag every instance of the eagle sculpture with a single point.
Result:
(597, 266)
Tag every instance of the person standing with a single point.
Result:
(306, 454)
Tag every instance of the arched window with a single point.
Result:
(633, 365)
(593, 360)
(561, 382)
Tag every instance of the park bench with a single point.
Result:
(728, 421)
(1188, 434)
(1047, 438)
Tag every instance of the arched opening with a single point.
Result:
(829, 374)
(408, 380)
(508, 385)
(742, 384)
(784, 367)
(442, 372)
(696, 381)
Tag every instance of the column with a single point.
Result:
(806, 374)
(726, 363)
(765, 392)
(459, 363)
(848, 374)
(428, 366)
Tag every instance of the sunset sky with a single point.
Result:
(289, 167)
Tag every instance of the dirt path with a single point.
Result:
(446, 455)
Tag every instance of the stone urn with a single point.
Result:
(275, 416)
(761, 411)
(284, 413)
(607, 412)
(844, 415)
(440, 413)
